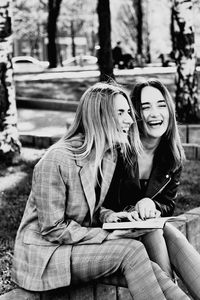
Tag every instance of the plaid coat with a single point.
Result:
(60, 213)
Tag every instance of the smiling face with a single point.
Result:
(154, 112)
(123, 113)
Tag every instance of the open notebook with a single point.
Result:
(146, 224)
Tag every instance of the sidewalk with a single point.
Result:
(40, 128)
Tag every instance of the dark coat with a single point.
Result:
(162, 186)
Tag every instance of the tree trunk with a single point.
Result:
(105, 60)
(9, 139)
(139, 14)
(54, 8)
(187, 104)
(73, 39)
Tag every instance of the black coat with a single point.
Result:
(162, 186)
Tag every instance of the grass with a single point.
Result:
(13, 200)
(189, 190)
(12, 204)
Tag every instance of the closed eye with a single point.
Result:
(145, 107)
(162, 103)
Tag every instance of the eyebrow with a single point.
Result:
(122, 110)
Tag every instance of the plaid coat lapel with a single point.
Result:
(87, 177)
(108, 168)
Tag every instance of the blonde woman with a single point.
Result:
(60, 240)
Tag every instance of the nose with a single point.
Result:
(128, 119)
(154, 112)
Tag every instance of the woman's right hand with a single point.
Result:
(117, 216)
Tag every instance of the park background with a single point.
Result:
(47, 99)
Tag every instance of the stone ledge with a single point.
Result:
(192, 151)
(87, 292)
(38, 141)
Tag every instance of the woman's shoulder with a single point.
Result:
(63, 151)
(58, 153)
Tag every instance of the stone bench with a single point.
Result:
(96, 291)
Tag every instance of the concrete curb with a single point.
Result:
(192, 151)
(191, 229)
(50, 104)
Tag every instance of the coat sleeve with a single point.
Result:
(50, 191)
(104, 213)
(165, 201)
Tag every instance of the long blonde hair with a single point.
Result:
(97, 122)
(172, 134)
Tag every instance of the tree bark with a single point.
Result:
(105, 60)
(139, 14)
(54, 9)
(187, 104)
(73, 39)
(9, 138)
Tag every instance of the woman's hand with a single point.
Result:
(146, 209)
(117, 216)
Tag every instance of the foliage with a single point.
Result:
(189, 191)
(187, 103)
(30, 20)
(124, 26)
(78, 18)
(81, 13)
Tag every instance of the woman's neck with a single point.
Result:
(150, 145)
(145, 160)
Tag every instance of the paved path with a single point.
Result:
(43, 122)
(56, 73)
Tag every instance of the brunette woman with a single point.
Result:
(149, 189)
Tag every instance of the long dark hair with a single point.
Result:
(171, 135)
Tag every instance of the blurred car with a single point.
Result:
(81, 61)
(28, 64)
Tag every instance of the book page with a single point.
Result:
(146, 224)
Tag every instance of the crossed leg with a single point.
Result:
(144, 279)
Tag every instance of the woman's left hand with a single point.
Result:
(146, 209)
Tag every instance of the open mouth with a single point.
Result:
(155, 123)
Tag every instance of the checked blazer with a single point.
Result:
(59, 214)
